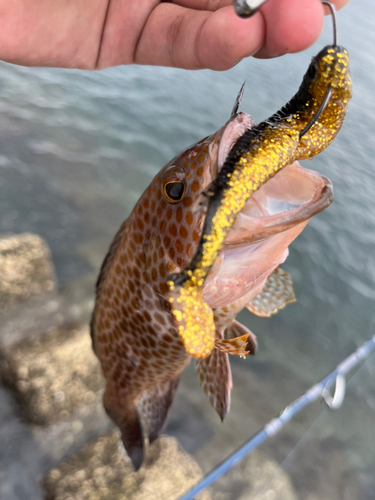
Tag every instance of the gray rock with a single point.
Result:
(53, 375)
(25, 268)
(101, 472)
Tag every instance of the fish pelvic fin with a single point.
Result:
(154, 408)
(276, 294)
(238, 340)
(127, 420)
(216, 380)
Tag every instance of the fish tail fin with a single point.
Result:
(127, 419)
(216, 380)
(154, 408)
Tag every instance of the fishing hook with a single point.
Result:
(326, 99)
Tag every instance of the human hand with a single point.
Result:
(191, 34)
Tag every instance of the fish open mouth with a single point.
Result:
(271, 219)
(291, 197)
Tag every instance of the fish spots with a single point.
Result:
(171, 253)
(183, 232)
(195, 236)
(195, 186)
(169, 213)
(164, 288)
(162, 225)
(200, 171)
(154, 274)
(167, 241)
(140, 224)
(146, 217)
(172, 230)
(136, 273)
(187, 201)
(170, 266)
(179, 246)
(189, 218)
(181, 262)
(193, 165)
(201, 158)
(145, 202)
(163, 204)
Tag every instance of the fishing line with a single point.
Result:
(317, 391)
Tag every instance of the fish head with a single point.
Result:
(257, 243)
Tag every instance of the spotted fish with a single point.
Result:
(135, 335)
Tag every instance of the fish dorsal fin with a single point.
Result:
(238, 100)
(233, 333)
(216, 380)
(276, 294)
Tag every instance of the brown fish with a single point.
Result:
(133, 330)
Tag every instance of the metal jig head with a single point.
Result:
(247, 8)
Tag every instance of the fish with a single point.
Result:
(134, 330)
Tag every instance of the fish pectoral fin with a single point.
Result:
(154, 407)
(216, 380)
(233, 336)
(276, 294)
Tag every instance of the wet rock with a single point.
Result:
(26, 268)
(101, 472)
(53, 374)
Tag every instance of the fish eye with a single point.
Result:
(174, 191)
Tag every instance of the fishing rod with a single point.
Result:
(321, 390)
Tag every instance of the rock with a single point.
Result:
(26, 268)
(53, 374)
(101, 472)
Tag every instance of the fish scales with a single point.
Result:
(135, 332)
